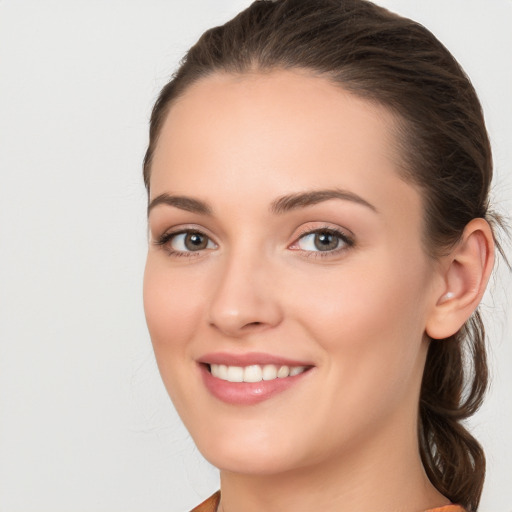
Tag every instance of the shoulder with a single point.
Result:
(211, 504)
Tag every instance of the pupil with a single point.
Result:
(195, 241)
(325, 241)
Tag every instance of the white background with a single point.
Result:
(85, 424)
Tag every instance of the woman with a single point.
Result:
(320, 238)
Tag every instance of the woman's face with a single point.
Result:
(281, 235)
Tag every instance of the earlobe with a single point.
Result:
(464, 279)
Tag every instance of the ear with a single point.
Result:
(464, 275)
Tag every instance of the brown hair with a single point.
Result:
(445, 150)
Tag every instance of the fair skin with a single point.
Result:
(339, 282)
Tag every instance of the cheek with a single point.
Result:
(368, 328)
(171, 304)
(364, 315)
(172, 307)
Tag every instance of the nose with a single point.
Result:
(245, 299)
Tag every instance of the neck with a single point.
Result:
(384, 474)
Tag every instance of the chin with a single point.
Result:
(241, 462)
(248, 454)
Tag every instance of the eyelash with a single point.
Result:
(345, 239)
(165, 239)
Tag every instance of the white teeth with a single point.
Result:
(222, 371)
(296, 370)
(269, 372)
(283, 372)
(254, 373)
(235, 374)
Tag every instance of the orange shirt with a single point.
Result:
(211, 504)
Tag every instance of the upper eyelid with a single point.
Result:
(347, 233)
(179, 229)
(345, 238)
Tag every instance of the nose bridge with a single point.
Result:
(244, 297)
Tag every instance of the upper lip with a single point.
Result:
(248, 359)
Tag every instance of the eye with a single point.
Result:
(322, 240)
(186, 242)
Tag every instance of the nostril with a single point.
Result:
(251, 326)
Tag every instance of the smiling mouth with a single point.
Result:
(244, 383)
(255, 372)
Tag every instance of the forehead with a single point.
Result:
(276, 132)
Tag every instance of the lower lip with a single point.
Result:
(247, 393)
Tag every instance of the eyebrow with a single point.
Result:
(280, 205)
(188, 204)
(303, 199)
